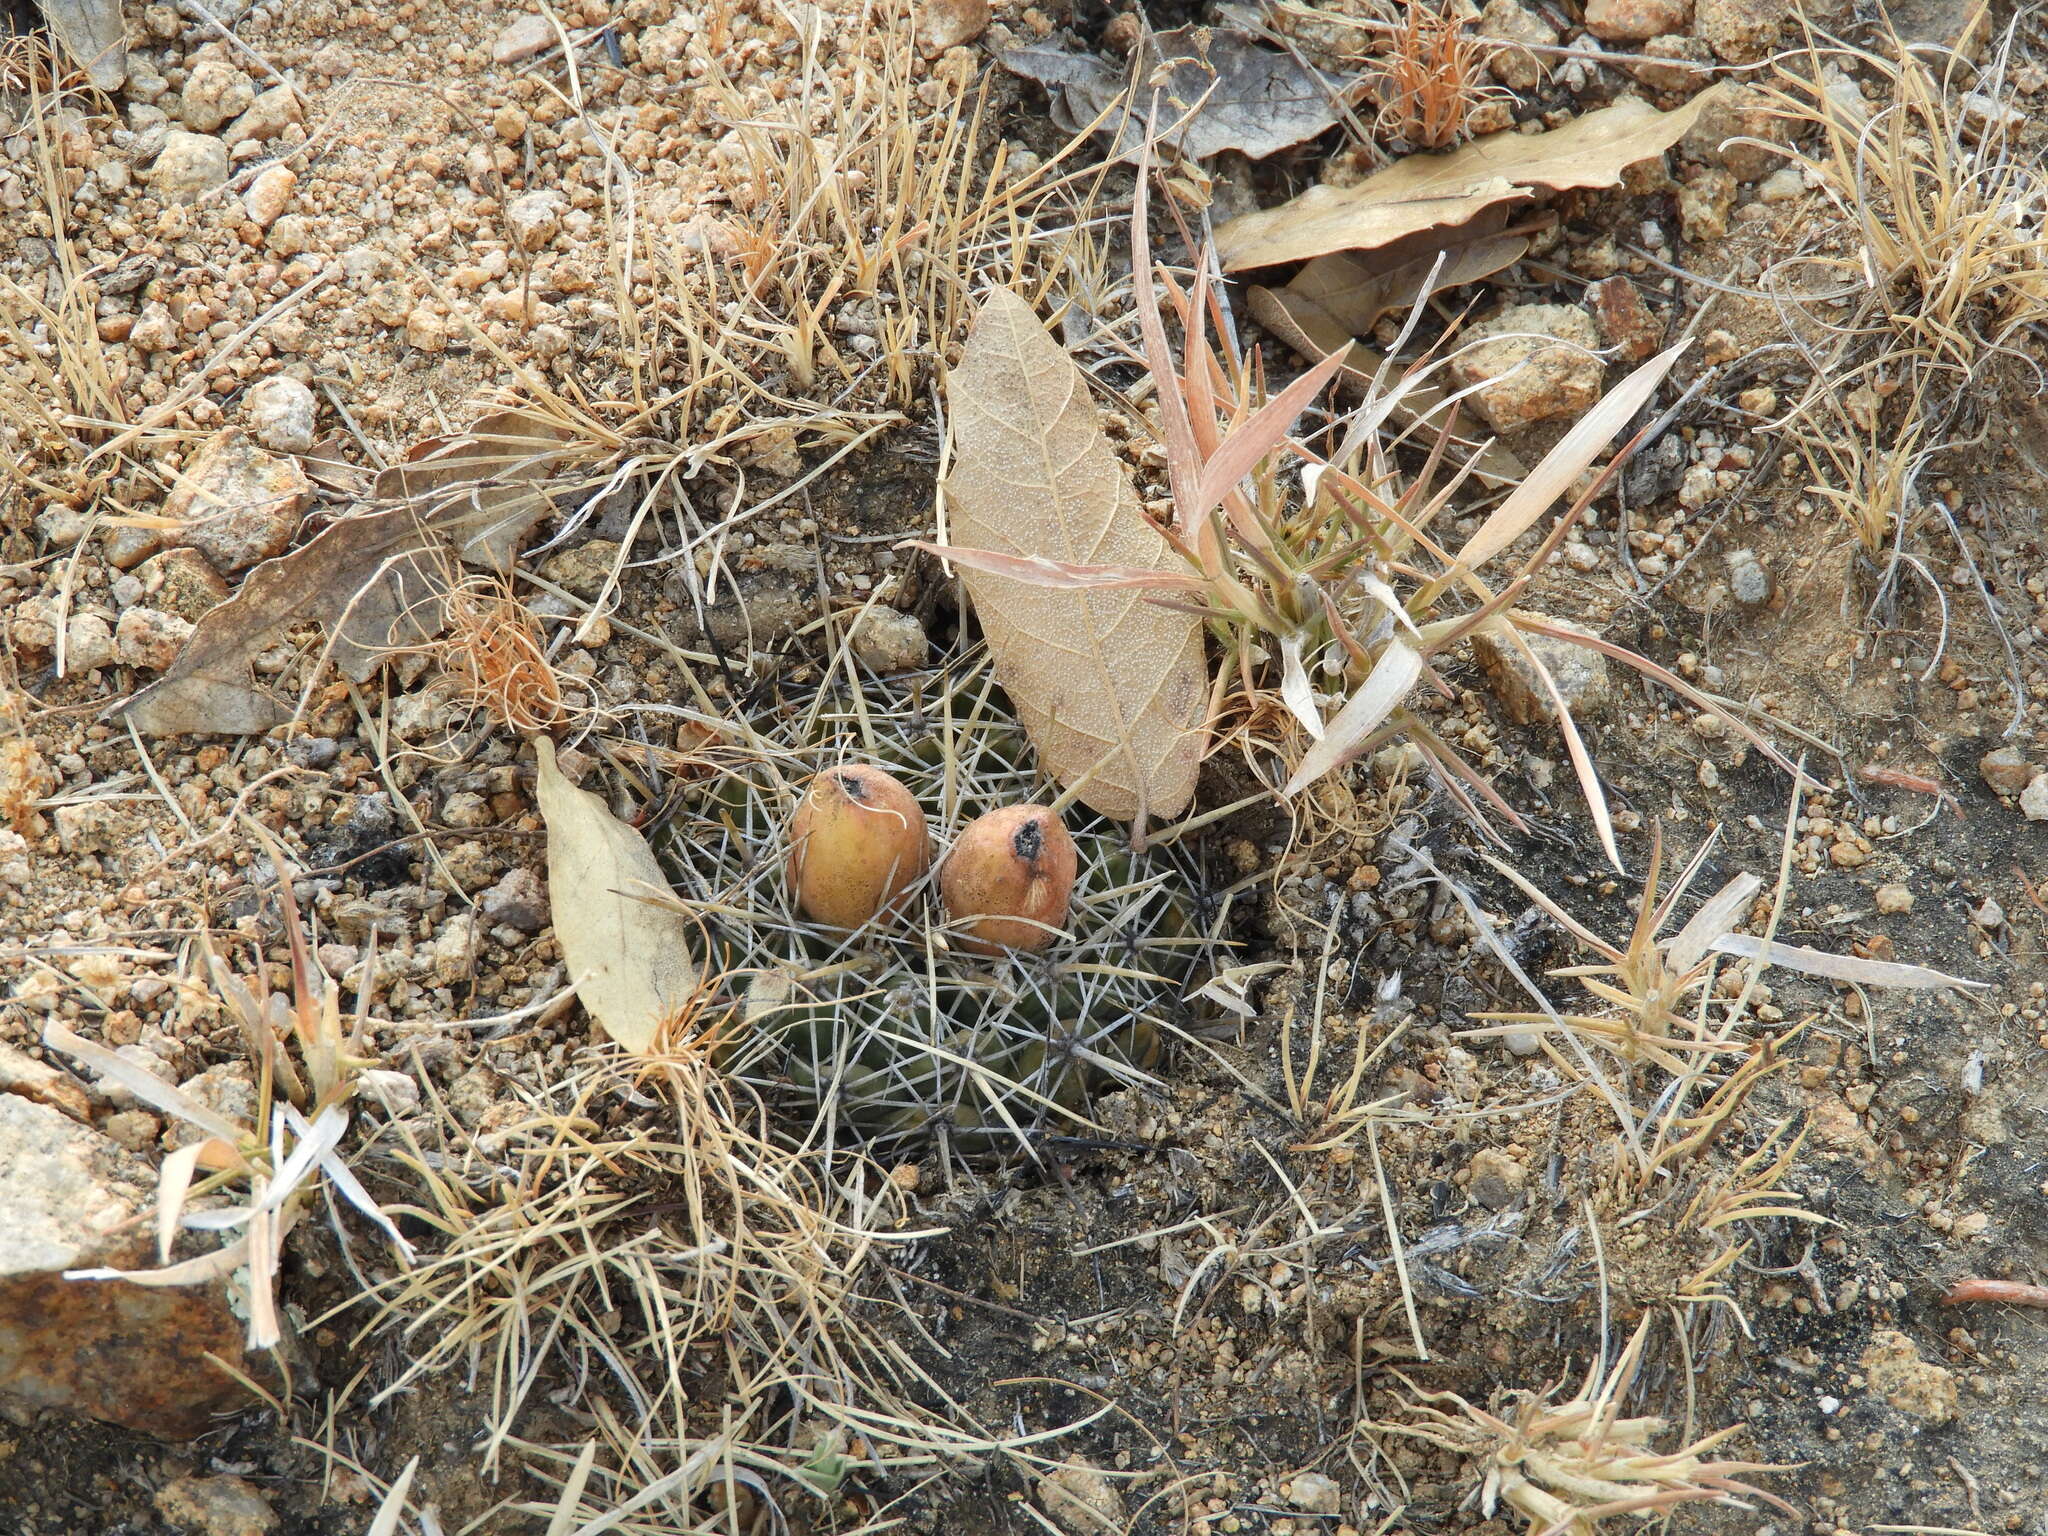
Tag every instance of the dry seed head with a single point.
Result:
(857, 845)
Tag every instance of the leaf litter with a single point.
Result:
(374, 579)
(1217, 88)
(1111, 687)
(1420, 193)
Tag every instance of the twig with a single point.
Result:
(2014, 1293)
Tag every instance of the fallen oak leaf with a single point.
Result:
(373, 578)
(1111, 687)
(1424, 192)
(628, 958)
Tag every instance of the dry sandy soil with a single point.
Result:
(1244, 1289)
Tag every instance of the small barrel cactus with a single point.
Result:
(899, 1030)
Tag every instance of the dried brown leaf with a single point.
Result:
(373, 578)
(628, 959)
(1111, 687)
(1425, 192)
(1218, 88)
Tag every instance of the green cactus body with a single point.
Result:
(890, 1031)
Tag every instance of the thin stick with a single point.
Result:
(1372, 1140)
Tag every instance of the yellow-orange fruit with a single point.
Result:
(1011, 871)
(856, 844)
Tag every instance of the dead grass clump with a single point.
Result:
(1566, 1467)
(635, 1227)
(495, 659)
(1428, 77)
(1930, 318)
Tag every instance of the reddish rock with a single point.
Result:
(1623, 320)
(133, 1355)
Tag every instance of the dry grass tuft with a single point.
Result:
(1565, 1468)
(494, 658)
(1428, 76)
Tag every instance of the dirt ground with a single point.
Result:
(1238, 1288)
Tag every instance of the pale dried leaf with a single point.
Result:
(373, 577)
(173, 1179)
(1037, 571)
(1851, 968)
(1425, 192)
(628, 959)
(1111, 687)
(1356, 291)
(1218, 88)
(1316, 334)
(1717, 915)
(392, 1510)
(144, 1084)
(1295, 689)
(1397, 671)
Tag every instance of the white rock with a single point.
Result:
(280, 411)
(536, 218)
(523, 39)
(88, 644)
(1315, 1493)
(214, 92)
(149, 638)
(2034, 799)
(265, 198)
(266, 117)
(188, 165)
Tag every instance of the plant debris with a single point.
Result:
(629, 958)
(1112, 688)
(1216, 88)
(1441, 192)
(374, 579)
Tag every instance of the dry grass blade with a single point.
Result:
(1577, 449)
(1393, 675)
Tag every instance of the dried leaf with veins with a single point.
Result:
(1111, 687)
(628, 958)
(1442, 192)
(1217, 89)
(373, 578)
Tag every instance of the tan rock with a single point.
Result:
(1741, 31)
(1531, 362)
(179, 581)
(1509, 22)
(240, 505)
(1081, 1501)
(1579, 672)
(1632, 21)
(1895, 1371)
(943, 24)
(267, 197)
(216, 1506)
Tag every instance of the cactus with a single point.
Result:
(898, 1032)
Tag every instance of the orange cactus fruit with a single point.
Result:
(1008, 880)
(856, 845)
